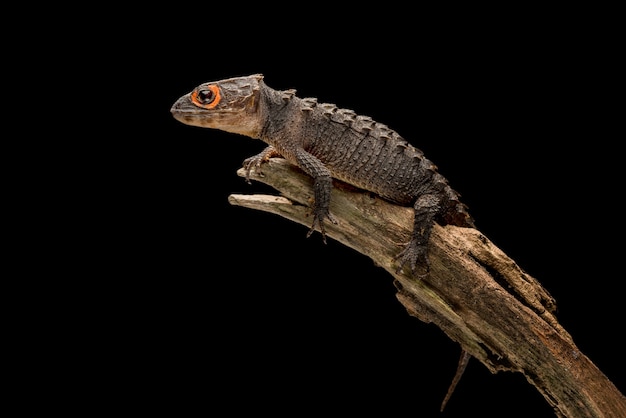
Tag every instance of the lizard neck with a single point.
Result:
(280, 119)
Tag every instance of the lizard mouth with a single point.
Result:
(186, 112)
(183, 110)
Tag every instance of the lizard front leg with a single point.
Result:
(256, 161)
(322, 185)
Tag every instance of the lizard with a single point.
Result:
(328, 142)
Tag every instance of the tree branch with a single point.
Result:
(474, 292)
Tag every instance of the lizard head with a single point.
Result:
(229, 105)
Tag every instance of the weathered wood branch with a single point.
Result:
(475, 293)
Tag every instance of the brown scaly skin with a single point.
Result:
(328, 142)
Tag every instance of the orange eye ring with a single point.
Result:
(207, 97)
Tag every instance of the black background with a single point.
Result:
(211, 307)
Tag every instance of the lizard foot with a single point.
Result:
(319, 220)
(414, 256)
(254, 163)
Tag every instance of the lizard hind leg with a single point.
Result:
(415, 253)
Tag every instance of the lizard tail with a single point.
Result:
(465, 357)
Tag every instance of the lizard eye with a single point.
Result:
(207, 97)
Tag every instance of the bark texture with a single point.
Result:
(474, 293)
